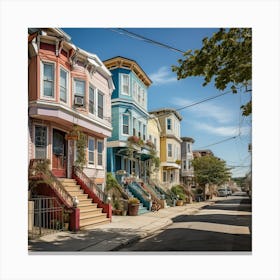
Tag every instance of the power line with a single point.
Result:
(227, 139)
(142, 38)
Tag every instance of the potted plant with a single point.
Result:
(133, 206)
(117, 208)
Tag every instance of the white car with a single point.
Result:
(222, 192)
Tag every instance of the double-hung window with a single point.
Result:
(79, 92)
(169, 124)
(169, 150)
(125, 129)
(184, 165)
(125, 84)
(144, 132)
(100, 105)
(91, 151)
(91, 100)
(40, 141)
(99, 153)
(63, 85)
(48, 79)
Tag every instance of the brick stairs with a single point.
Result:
(90, 214)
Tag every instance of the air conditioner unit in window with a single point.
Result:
(79, 100)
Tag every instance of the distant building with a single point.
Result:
(170, 145)
(202, 153)
(187, 173)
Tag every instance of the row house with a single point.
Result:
(170, 146)
(69, 88)
(187, 172)
(128, 151)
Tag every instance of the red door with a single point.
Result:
(59, 151)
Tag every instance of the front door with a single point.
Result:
(59, 154)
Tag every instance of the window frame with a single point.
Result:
(42, 80)
(102, 152)
(124, 124)
(100, 93)
(169, 119)
(67, 85)
(76, 79)
(122, 84)
(94, 99)
(91, 151)
(34, 137)
(169, 145)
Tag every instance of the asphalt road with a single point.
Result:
(223, 226)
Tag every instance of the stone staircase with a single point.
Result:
(90, 215)
(142, 209)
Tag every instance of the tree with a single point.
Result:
(210, 170)
(226, 57)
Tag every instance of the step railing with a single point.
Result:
(91, 189)
(36, 172)
(134, 189)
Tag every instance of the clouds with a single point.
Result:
(163, 76)
(206, 110)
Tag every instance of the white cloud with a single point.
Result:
(163, 76)
(206, 110)
(225, 131)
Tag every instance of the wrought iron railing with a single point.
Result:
(90, 184)
(38, 171)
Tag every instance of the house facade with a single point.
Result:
(187, 173)
(127, 150)
(154, 132)
(69, 90)
(170, 146)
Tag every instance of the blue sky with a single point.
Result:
(207, 123)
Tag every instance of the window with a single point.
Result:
(91, 151)
(48, 79)
(91, 100)
(125, 124)
(189, 164)
(189, 148)
(63, 84)
(134, 126)
(169, 124)
(144, 132)
(135, 90)
(79, 88)
(139, 94)
(40, 141)
(125, 84)
(143, 96)
(164, 176)
(155, 142)
(184, 164)
(99, 153)
(100, 105)
(169, 150)
(139, 129)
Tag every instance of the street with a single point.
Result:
(223, 226)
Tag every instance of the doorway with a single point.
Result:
(59, 154)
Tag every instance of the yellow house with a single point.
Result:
(170, 146)
(153, 134)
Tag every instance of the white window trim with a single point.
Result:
(124, 93)
(34, 146)
(103, 149)
(94, 100)
(104, 105)
(94, 148)
(171, 150)
(67, 85)
(73, 90)
(42, 79)
(123, 134)
(169, 130)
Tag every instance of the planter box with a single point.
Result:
(133, 209)
(179, 203)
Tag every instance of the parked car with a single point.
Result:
(229, 192)
(222, 192)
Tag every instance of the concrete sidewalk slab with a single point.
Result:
(109, 237)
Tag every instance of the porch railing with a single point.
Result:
(41, 175)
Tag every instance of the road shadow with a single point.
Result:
(228, 207)
(190, 240)
(97, 239)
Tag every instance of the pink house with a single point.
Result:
(68, 88)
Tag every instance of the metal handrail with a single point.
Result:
(90, 184)
(50, 179)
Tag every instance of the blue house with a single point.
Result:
(127, 149)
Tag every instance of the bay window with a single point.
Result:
(125, 84)
(63, 85)
(79, 92)
(91, 100)
(48, 79)
(169, 150)
(99, 153)
(100, 104)
(125, 129)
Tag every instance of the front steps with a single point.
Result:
(142, 209)
(90, 215)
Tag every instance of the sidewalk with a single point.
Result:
(121, 231)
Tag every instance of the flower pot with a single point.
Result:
(117, 212)
(133, 209)
(179, 203)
